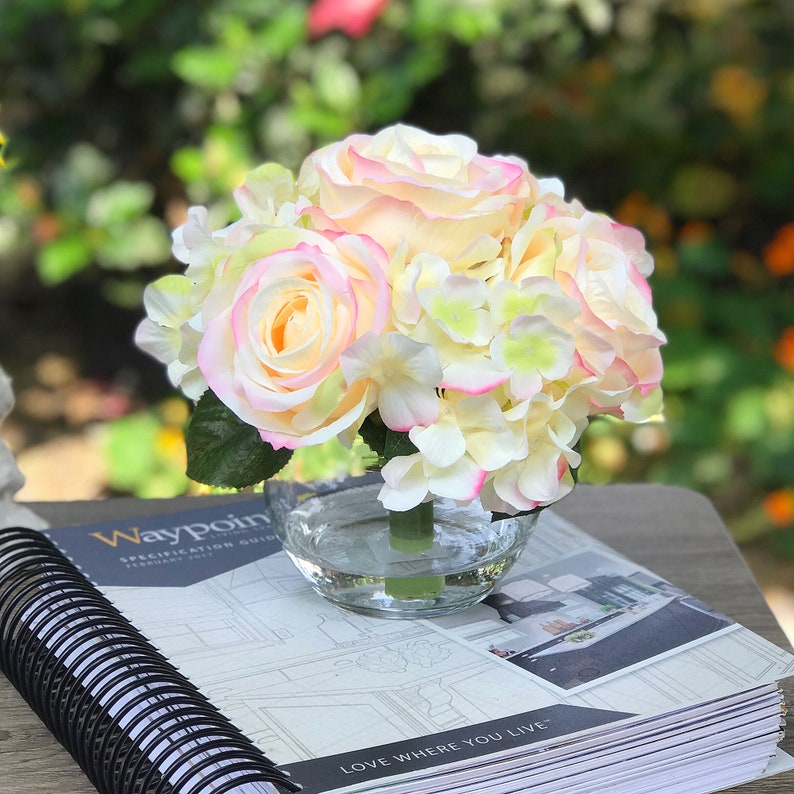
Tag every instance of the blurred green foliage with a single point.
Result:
(674, 116)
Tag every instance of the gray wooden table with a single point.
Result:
(674, 532)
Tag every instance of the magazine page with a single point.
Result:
(577, 639)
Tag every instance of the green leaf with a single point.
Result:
(702, 191)
(206, 67)
(62, 258)
(373, 432)
(337, 85)
(286, 31)
(188, 163)
(129, 447)
(225, 451)
(85, 169)
(119, 202)
(132, 245)
(398, 444)
(380, 439)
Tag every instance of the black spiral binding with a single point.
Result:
(132, 722)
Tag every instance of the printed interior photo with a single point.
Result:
(586, 617)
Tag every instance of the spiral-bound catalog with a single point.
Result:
(184, 654)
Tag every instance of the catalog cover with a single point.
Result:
(576, 639)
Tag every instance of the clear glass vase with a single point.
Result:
(433, 560)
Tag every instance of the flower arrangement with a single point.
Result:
(452, 308)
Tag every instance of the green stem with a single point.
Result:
(412, 532)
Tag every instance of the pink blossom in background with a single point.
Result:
(353, 17)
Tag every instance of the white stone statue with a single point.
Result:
(11, 479)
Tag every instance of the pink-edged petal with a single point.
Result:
(491, 450)
(406, 371)
(322, 434)
(473, 372)
(404, 404)
(505, 488)
(461, 481)
(633, 242)
(642, 407)
(595, 353)
(405, 484)
(492, 501)
(441, 443)
(538, 479)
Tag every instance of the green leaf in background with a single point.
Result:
(708, 258)
(223, 450)
(62, 258)
(337, 84)
(118, 202)
(129, 443)
(309, 112)
(746, 419)
(85, 168)
(128, 246)
(702, 191)
(140, 456)
(188, 164)
(286, 30)
(328, 461)
(471, 24)
(207, 67)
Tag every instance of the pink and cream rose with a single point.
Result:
(430, 193)
(277, 321)
(603, 265)
(173, 327)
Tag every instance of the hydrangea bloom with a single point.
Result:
(405, 279)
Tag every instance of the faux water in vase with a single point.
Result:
(432, 560)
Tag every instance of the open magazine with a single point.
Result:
(582, 670)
